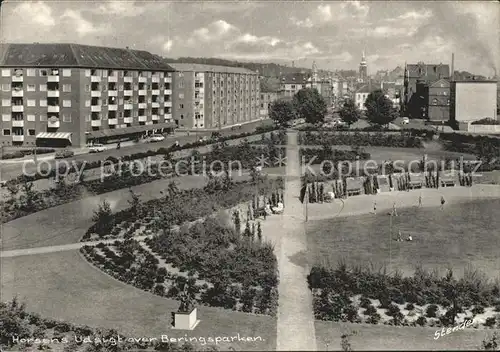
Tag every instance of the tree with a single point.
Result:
(379, 109)
(282, 112)
(349, 113)
(135, 203)
(310, 105)
(103, 218)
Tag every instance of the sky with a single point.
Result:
(331, 33)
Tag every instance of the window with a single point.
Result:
(43, 102)
(6, 132)
(87, 87)
(87, 103)
(66, 117)
(181, 95)
(448, 102)
(87, 118)
(31, 72)
(87, 73)
(31, 132)
(6, 87)
(66, 72)
(31, 88)
(31, 102)
(120, 101)
(67, 103)
(43, 117)
(181, 106)
(120, 87)
(30, 117)
(43, 87)
(182, 116)
(43, 73)
(66, 87)
(6, 117)
(5, 72)
(181, 84)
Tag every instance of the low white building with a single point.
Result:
(360, 97)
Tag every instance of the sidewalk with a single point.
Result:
(295, 328)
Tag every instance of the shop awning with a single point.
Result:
(54, 135)
(129, 130)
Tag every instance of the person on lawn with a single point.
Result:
(400, 236)
(442, 202)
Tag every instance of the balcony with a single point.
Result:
(128, 79)
(53, 93)
(17, 93)
(155, 117)
(95, 94)
(168, 104)
(53, 123)
(53, 108)
(95, 108)
(112, 93)
(128, 119)
(167, 92)
(112, 78)
(155, 105)
(127, 93)
(155, 92)
(128, 106)
(17, 123)
(143, 118)
(17, 108)
(96, 123)
(112, 121)
(95, 79)
(168, 80)
(155, 79)
(17, 78)
(112, 107)
(168, 116)
(143, 79)
(17, 138)
(142, 92)
(143, 106)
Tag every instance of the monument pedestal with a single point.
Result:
(185, 321)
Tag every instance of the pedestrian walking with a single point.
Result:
(442, 202)
(374, 207)
(394, 210)
(420, 201)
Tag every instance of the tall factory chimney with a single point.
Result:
(452, 66)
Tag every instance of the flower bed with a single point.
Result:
(398, 140)
(23, 152)
(359, 295)
(220, 266)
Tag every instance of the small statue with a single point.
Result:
(187, 301)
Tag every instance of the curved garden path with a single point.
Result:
(295, 312)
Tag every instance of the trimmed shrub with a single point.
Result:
(431, 311)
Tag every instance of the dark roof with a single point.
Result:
(291, 78)
(76, 55)
(431, 72)
(442, 80)
(363, 89)
(189, 67)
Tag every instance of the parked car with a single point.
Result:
(3, 183)
(405, 121)
(65, 153)
(156, 138)
(97, 148)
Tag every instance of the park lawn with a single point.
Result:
(64, 286)
(383, 337)
(464, 234)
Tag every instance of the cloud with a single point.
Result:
(38, 13)
(343, 57)
(82, 26)
(307, 23)
(355, 9)
(295, 50)
(121, 8)
(412, 16)
(266, 40)
(167, 46)
(214, 31)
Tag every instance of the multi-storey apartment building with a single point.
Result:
(214, 97)
(69, 94)
(266, 99)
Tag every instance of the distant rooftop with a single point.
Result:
(292, 78)
(76, 55)
(186, 67)
(431, 71)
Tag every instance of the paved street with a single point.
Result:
(295, 312)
